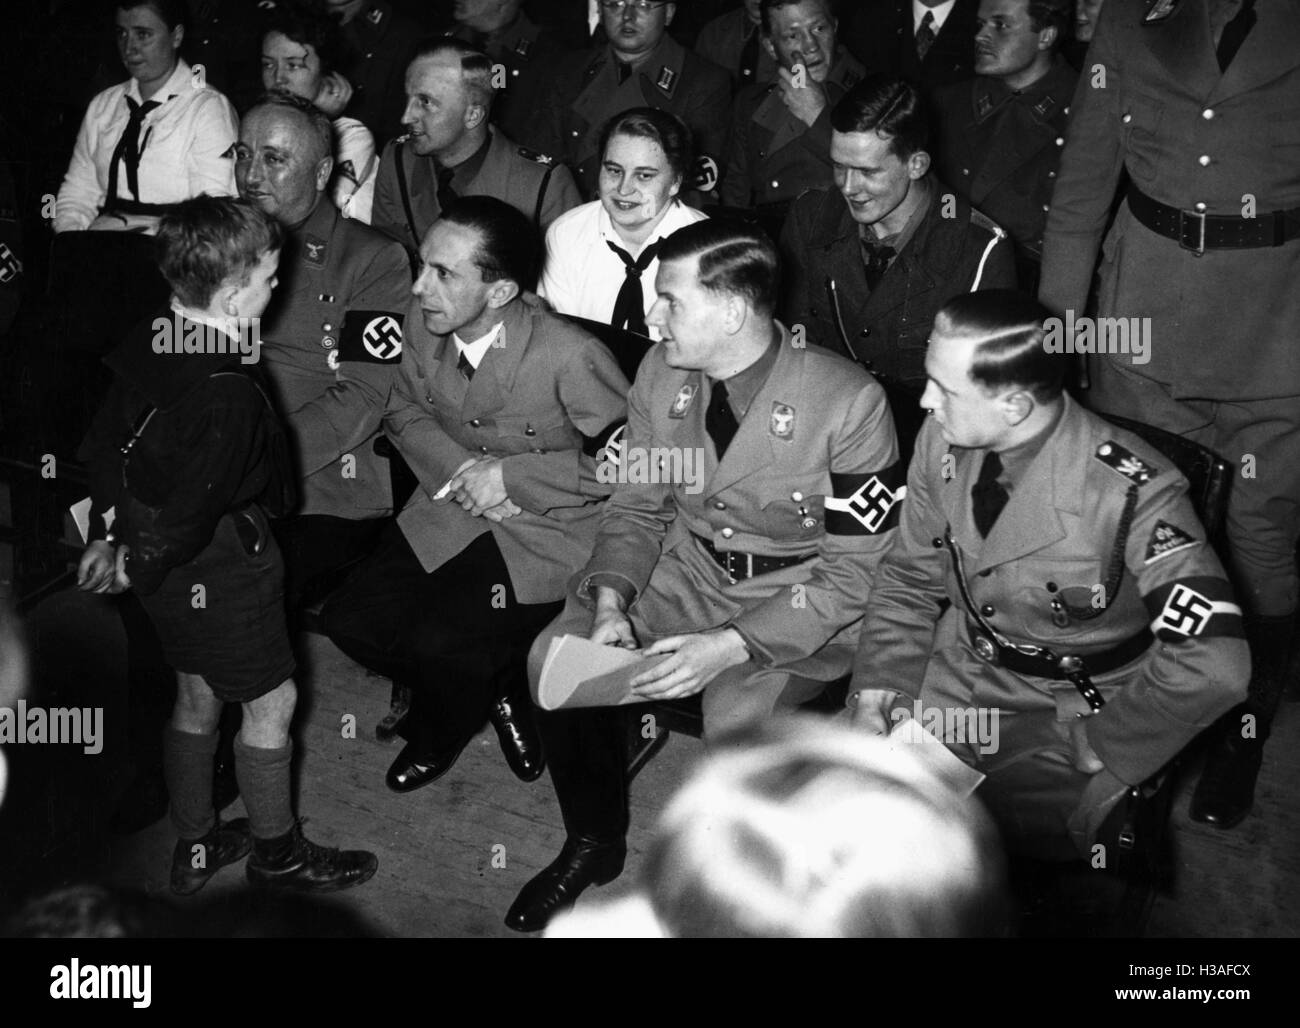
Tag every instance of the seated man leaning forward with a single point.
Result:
(772, 494)
(1089, 632)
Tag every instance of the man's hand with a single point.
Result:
(95, 572)
(610, 626)
(479, 487)
(502, 511)
(807, 100)
(697, 659)
(334, 94)
(872, 710)
(1084, 756)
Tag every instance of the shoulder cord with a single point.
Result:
(1114, 574)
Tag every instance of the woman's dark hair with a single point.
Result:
(888, 106)
(307, 24)
(209, 240)
(733, 258)
(509, 245)
(1011, 333)
(661, 127)
(172, 12)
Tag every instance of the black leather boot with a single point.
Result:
(1226, 791)
(513, 718)
(194, 861)
(293, 862)
(586, 752)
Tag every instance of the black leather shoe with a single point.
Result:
(517, 733)
(1226, 791)
(295, 863)
(582, 862)
(414, 768)
(194, 861)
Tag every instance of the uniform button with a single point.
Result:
(727, 533)
(1051, 174)
(1203, 160)
(428, 397)
(370, 55)
(1052, 587)
(1126, 119)
(538, 451)
(1208, 113)
(1200, 207)
(482, 449)
(775, 184)
(1060, 140)
(327, 327)
(936, 542)
(797, 496)
(719, 505)
(476, 423)
(965, 171)
(327, 341)
(529, 430)
(987, 610)
(1045, 208)
(1067, 110)
(575, 133)
(866, 332)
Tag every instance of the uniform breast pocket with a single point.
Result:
(796, 513)
(1140, 118)
(531, 435)
(1058, 597)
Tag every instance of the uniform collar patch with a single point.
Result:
(666, 79)
(313, 251)
(782, 425)
(375, 15)
(682, 401)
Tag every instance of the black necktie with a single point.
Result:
(624, 71)
(629, 306)
(876, 260)
(465, 367)
(925, 36)
(446, 195)
(1234, 34)
(749, 56)
(988, 497)
(719, 421)
(128, 150)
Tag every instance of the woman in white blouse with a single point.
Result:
(161, 137)
(601, 257)
(300, 53)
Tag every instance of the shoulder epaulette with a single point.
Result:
(1126, 462)
(983, 221)
(535, 157)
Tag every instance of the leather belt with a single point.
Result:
(740, 565)
(1198, 232)
(1042, 662)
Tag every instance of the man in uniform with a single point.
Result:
(749, 573)
(873, 260)
(781, 133)
(1201, 107)
(500, 408)
(527, 53)
(1087, 633)
(382, 41)
(450, 150)
(640, 66)
(734, 41)
(1001, 133)
(332, 341)
(930, 43)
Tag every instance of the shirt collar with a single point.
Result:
(463, 173)
(176, 82)
(230, 326)
(476, 349)
(941, 13)
(900, 239)
(610, 234)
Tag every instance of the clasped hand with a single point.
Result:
(479, 487)
(102, 570)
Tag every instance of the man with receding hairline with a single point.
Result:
(1081, 604)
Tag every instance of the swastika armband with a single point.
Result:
(371, 337)
(1190, 607)
(865, 504)
(607, 444)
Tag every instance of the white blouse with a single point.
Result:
(185, 148)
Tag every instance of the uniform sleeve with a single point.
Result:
(350, 411)
(214, 131)
(710, 129)
(636, 518)
(593, 392)
(1199, 664)
(897, 633)
(229, 429)
(82, 192)
(865, 476)
(797, 296)
(561, 195)
(1090, 170)
(386, 213)
(735, 175)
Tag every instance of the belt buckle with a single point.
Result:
(1199, 248)
(727, 557)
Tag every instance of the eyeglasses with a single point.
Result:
(640, 6)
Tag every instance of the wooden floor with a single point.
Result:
(453, 855)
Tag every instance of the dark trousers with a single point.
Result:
(318, 551)
(457, 636)
(586, 751)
